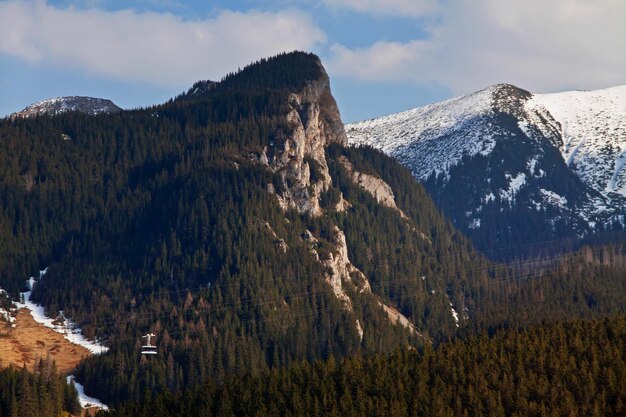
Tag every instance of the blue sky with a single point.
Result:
(382, 56)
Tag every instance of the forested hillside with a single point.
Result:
(221, 222)
(572, 369)
(587, 284)
(234, 223)
(40, 393)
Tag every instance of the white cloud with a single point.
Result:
(155, 47)
(535, 44)
(394, 61)
(409, 8)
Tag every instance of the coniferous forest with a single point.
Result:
(41, 391)
(176, 220)
(569, 369)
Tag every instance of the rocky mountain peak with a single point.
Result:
(509, 98)
(297, 152)
(505, 90)
(329, 120)
(59, 105)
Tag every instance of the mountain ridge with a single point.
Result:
(59, 105)
(234, 223)
(236, 226)
(503, 146)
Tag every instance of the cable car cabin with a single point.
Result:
(148, 348)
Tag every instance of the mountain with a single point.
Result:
(513, 168)
(593, 128)
(59, 105)
(235, 224)
(232, 222)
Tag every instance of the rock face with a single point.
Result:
(297, 152)
(345, 279)
(59, 105)
(342, 272)
(278, 241)
(398, 319)
(342, 276)
(374, 185)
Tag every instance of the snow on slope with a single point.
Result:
(445, 131)
(68, 329)
(593, 127)
(53, 106)
(85, 400)
(587, 127)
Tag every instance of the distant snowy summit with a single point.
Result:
(592, 126)
(54, 106)
(509, 166)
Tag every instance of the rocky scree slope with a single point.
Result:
(510, 167)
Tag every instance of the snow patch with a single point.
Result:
(523, 125)
(553, 198)
(588, 128)
(532, 165)
(7, 317)
(58, 105)
(619, 166)
(6, 314)
(515, 184)
(85, 400)
(455, 315)
(68, 329)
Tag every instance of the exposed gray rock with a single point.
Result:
(343, 204)
(342, 271)
(297, 151)
(378, 188)
(278, 241)
(398, 319)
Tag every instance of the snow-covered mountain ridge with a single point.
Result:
(561, 156)
(89, 105)
(428, 128)
(593, 128)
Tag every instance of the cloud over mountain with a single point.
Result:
(160, 48)
(543, 45)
